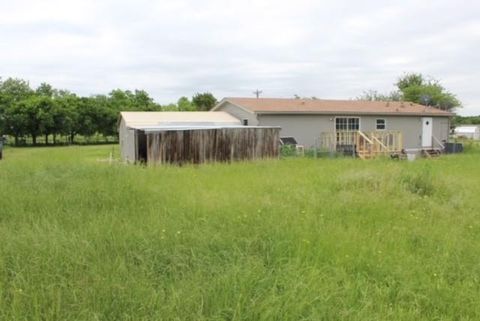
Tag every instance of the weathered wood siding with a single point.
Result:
(212, 145)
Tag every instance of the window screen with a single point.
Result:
(347, 124)
(381, 124)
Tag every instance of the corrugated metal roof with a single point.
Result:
(278, 105)
(183, 118)
(152, 129)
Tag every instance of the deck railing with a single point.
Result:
(362, 144)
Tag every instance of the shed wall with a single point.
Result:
(212, 145)
(127, 142)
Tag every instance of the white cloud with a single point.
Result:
(329, 49)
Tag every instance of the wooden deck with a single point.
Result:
(363, 144)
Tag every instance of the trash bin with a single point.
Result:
(411, 157)
(452, 148)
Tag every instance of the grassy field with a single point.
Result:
(291, 239)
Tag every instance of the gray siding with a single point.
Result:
(127, 142)
(307, 128)
(410, 126)
(441, 128)
(239, 113)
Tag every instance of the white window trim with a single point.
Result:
(384, 122)
(335, 122)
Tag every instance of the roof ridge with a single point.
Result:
(327, 99)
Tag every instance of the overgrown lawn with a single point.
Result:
(290, 239)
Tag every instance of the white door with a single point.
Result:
(427, 131)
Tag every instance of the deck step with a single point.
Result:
(431, 152)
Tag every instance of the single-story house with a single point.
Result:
(471, 132)
(418, 127)
(192, 137)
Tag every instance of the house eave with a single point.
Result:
(352, 113)
(223, 101)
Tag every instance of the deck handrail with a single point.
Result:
(365, 137)
(378, 141)
(365, 144)
(438, 142)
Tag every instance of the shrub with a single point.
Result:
(470, 146)
(288, 150)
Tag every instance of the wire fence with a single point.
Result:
(62, 140)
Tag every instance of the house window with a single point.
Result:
(245, 122)
(347, 123)
(381, 124)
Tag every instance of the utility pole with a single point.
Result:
(257, 93)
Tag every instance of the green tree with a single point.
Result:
(121, 99)
(414, 87)
(15, 121)
(409, 80)
(88, 116)
(63, 113)
(39, 117)
(170, 107)
(12, 90)
(184, 104)
(139, 100)
(143, 101)
(2, 121)
(205, 101)
(66, 114)
(106, 114)
(45, 90)
(466, 120)
(52, 112)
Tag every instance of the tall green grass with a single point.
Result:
(293, 239)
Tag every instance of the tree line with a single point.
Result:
(416, 88)
(27, 112)
(466, 120)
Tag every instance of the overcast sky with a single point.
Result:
(327, 49)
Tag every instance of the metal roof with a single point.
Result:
(179, 118)
(154, 129)
(467, 129)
